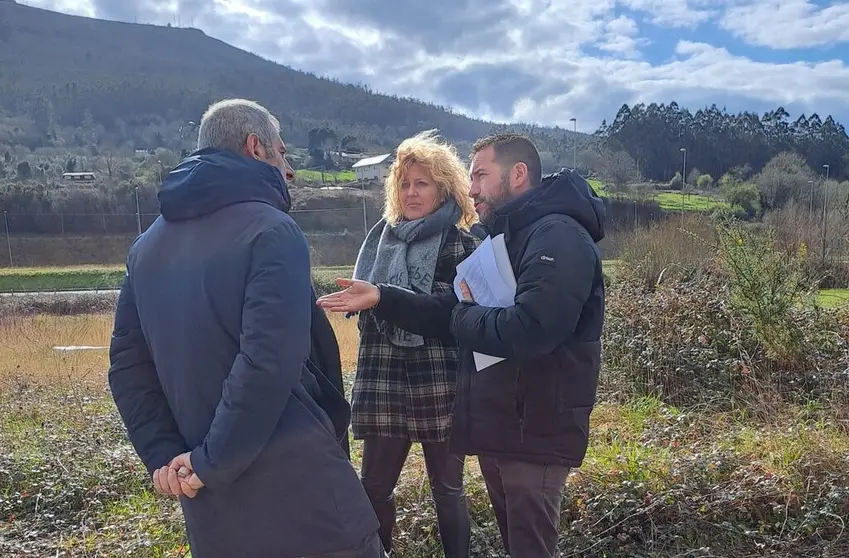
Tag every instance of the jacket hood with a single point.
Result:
(211, 179)
(565, 193)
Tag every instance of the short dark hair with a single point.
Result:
(511, 148)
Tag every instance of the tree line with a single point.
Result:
(717, 141)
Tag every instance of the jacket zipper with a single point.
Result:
(520, 404)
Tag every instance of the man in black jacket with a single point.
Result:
(526, 417)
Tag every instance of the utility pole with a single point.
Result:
(683, 183)
(8, 238)
(138, 212)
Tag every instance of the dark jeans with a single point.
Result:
(383, 459)
(526, 498)
(370, 548)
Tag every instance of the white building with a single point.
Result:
(373, 168)
(87, 177)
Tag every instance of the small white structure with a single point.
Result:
(86, 177)
(373, 168)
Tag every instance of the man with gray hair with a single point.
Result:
(213, 366)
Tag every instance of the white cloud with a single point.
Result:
(787, 24)
(74, 7)
(621, 37)
(527, 60)
(675, 13)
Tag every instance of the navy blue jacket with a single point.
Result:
(535, 405)
(211, 354)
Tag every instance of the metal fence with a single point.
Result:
(39, 239)
(74, 224)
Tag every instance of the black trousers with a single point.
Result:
(526, 498)
(383, 459)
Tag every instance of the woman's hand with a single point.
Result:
(357, 296)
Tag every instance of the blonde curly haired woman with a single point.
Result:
(405, 384)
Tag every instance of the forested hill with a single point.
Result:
(717, 141)
(141, 82)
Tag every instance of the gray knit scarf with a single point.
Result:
(405, 255)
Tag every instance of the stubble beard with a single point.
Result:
(493, 203)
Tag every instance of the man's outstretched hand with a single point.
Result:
(356, 296)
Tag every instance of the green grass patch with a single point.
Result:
(60, 279)
(834, 298)
(610, 268)
(49, 279)
(326, 176)
(324, 278)
(668, 200)
(597, 185)
(671, 201)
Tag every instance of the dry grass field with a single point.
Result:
(657, 481)
(70, 485)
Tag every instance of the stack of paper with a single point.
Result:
(489, 276)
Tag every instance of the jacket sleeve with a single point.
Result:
(555, 279)
(425, 315)
(273, 345)
(428, 315)
(136, 390)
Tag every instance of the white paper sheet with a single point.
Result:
(489, 276)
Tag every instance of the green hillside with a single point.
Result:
(142, 82)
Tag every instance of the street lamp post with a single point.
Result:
(811, 207)
(365, 217)
(574, 121)
(683, 183)
(825, 211)
(138, 211)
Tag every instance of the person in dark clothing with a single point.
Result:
(526, 417)
(326, 364)
(216, 363)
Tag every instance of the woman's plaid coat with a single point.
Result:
(408, 392)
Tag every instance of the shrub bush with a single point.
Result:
(745, 198)
(798, 224)
(676, 183)
(665, 249)
(57, 304)
(740, 330)
(704, 182)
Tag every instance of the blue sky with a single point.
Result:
(542, 61)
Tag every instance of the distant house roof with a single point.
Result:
(371, 161)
